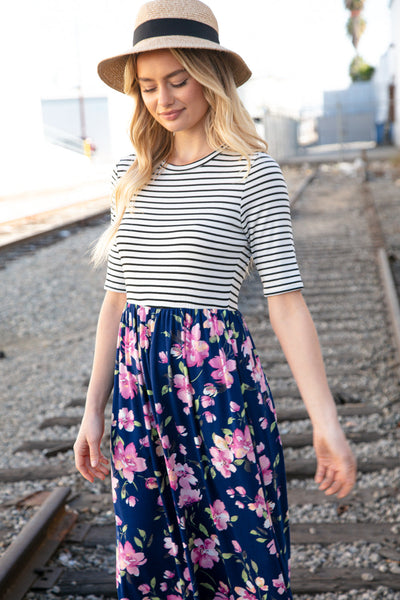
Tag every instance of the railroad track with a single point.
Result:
(341, 549)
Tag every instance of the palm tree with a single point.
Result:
(355, 28)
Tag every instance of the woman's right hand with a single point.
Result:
(89, 459)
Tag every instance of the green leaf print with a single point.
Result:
(203, 529)
(164, 389)
(226, 555)
(255, 566)
(138, 542)
(142, 533)
(208, 586)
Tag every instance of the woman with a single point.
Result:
(198, 475)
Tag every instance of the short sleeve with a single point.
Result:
(267, 224)
(115, 280)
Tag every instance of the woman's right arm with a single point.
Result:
(89, 459)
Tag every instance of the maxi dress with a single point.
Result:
(198, 476)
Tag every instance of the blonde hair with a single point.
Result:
(228, 126)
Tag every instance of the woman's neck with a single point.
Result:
(188, 148)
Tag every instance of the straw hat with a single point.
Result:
(172, 24)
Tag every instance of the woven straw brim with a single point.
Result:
(111, 70)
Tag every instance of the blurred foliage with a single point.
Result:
(360, 70)
(355, 28)
(354, 4)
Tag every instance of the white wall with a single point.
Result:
(395, 21)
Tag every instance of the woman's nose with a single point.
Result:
(165, 96)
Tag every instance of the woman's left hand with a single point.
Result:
(336, 465)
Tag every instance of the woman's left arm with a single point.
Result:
(295, 330)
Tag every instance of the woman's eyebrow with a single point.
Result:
(166, 77)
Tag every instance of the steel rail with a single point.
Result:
(24, 559)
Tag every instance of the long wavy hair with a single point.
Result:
(228, 127)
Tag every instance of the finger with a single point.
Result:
(328, 479)
(334, 488)
(320, 473)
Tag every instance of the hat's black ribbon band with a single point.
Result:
(163, 27)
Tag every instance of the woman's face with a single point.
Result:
(170, 94)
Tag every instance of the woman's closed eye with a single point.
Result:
(179, 85)
(174, 85)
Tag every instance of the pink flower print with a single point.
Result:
(185, 392)
(259, 504)
(260, 582)
(188, 321)
(234, 407)
(247, 349)
(173, 597)
(172, 475)
(118, 521)
(207, 401)
(145, 441)
(131, 500)
(239, 504)
(163, 586)
(129, 343)
(271, 406)
(126, 419)
(170, 546)
(144, 588)
(188, 496)
(165, 442)
(220, 515)
(177, 351)
(204, 553)
(127, 460)
(272, 547)
(185, 475)
(169, 574)
(182, 449)
(265, 469)
(222, 461)
(114, 485)
(143, 336)
(222, 456)
(195, 350)
(209, 416)
(237, 546)
(232, 341)
(245, 594)
(127, 382)
(279, 584)
(240, 490)
(163, 358)
(142, 312)
(186, 574)
(242, 444)
(181, 429)
(210, 389)
(159, 408)
(223, 368)
(230, 492)
(148, 416)
(223, 592)
(215, 326)
(257, 374)
(129, 560)
(263, 422)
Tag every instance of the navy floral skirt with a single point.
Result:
(198, 474)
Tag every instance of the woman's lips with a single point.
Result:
(171, 115)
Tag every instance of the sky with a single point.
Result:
(51, 48)
(299, 44)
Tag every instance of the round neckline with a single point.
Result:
(191, 165)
